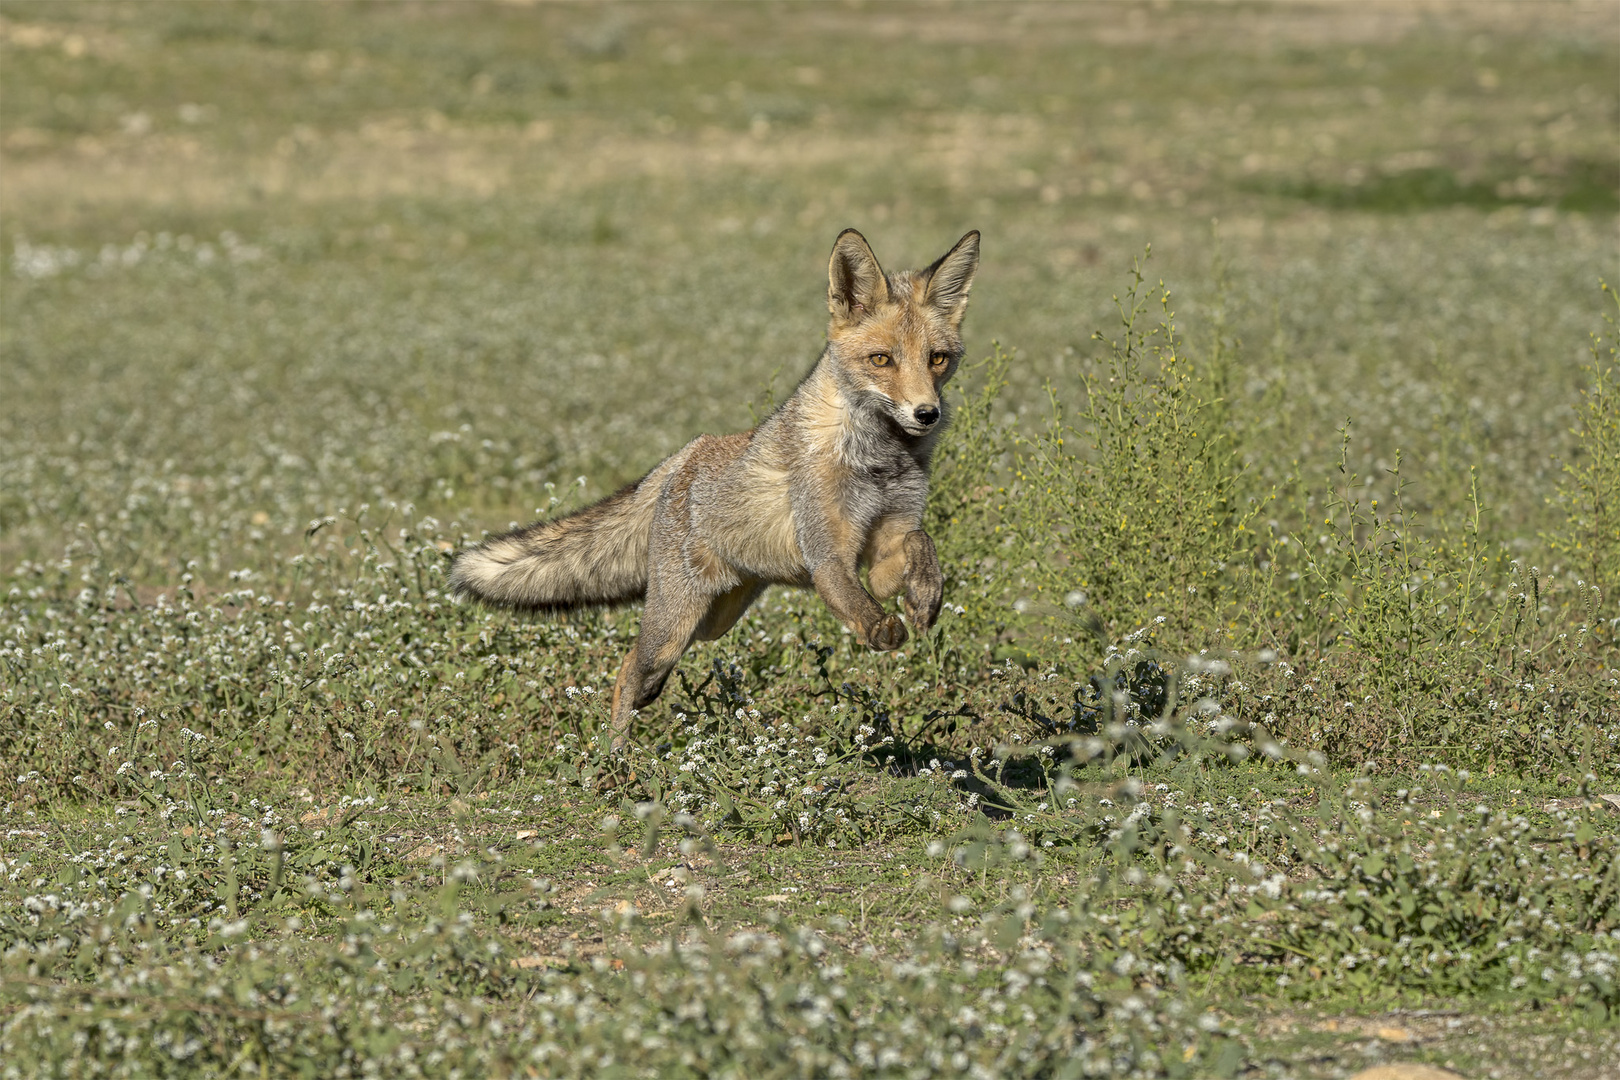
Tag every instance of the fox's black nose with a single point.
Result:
(925, 414)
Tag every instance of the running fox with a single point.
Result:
(833, 480)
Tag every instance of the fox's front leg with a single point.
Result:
(835, 581)
(905, 561)
(832, 550)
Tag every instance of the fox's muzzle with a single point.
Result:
(927, 415)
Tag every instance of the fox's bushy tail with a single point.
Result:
(597, 556)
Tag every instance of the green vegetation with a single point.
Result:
(1269, 727)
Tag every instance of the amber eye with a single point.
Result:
(939, 359)
(881, 359)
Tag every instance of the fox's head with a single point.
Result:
(895, 339)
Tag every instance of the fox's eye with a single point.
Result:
(880, 359)
(939, 359)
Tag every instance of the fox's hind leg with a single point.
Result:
(668, 625)
(689, 604)
(727, 608)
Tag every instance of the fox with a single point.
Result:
(832, 482)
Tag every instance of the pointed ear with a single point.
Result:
(950, 278)
(855, 282)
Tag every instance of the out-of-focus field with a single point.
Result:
(589, 233)
(298, 297)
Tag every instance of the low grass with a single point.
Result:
(1270, 724)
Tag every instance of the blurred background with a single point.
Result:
(267, 260)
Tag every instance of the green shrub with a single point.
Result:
(1132, 509)
(1590, 491)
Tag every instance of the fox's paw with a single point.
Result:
(887, 633)
(922, 608)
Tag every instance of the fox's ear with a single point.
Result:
(855, 282)
(950, 278)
